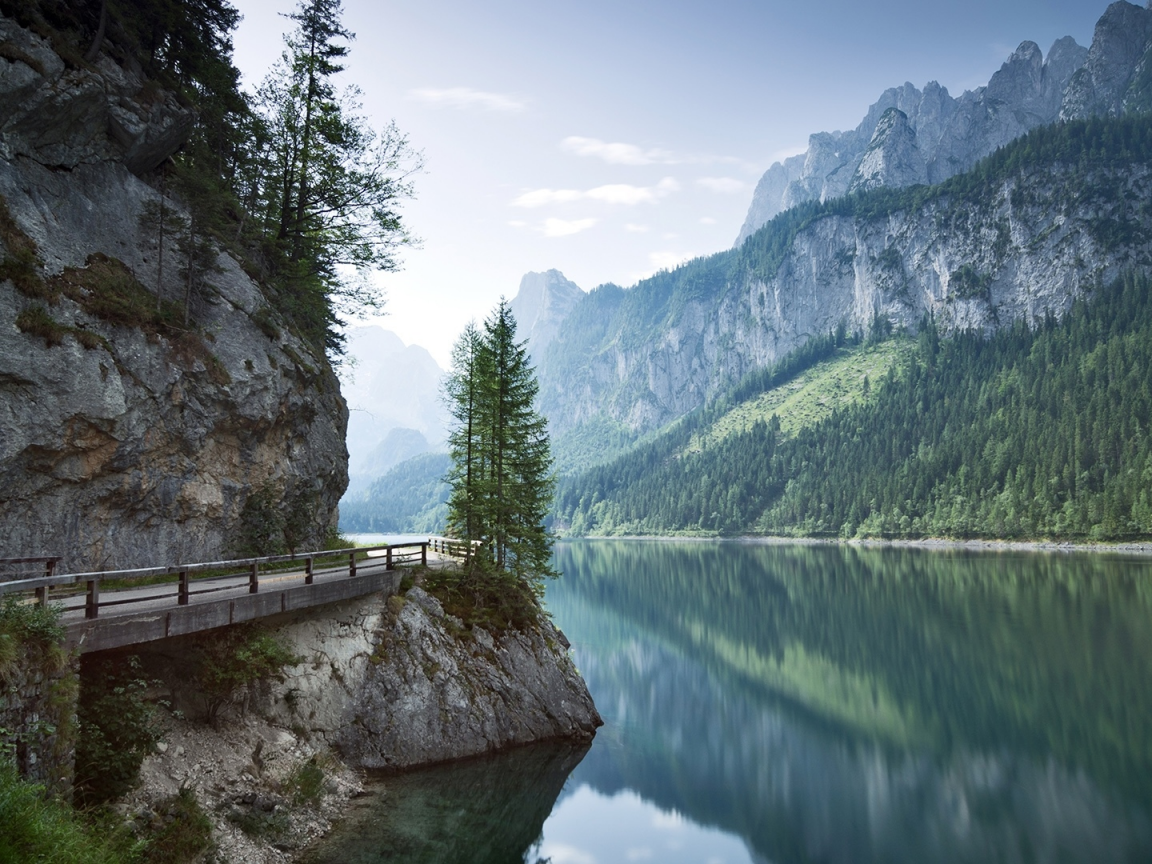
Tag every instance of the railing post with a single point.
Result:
(92, 605)
(351, 564)
(388, 560)
(423, 554)
(254, 578)
(308, 571)
(49, 567)
(182, 596)
(42, 595)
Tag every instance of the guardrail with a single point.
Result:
(13, 569)
(394, 554)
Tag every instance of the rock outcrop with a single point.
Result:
(1117, 60)
(941, 135)
(541, 305)
(123, 444)
(384, 682)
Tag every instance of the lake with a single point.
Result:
(815, 703)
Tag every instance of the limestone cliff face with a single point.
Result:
(121, 447)
(940, 136)
(541, 305)
(1028, 247)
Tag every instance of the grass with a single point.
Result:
(107, 289)
(846, 379)
(35, 827)
(186, 831)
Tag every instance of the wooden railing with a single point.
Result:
(216, 576)
(450, 547)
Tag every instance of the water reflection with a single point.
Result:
(481, 811)
(847, 705)
(793, 703)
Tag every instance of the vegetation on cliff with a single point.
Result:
(1032, 433)
(292, 180)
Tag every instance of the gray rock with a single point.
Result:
(143, 449)
(432, 699)
(892, 158)
(945, 135)
(1119, 44)
(67, 117)
(541, 305)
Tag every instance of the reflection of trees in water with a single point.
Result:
(480, 811)
(1009, 675)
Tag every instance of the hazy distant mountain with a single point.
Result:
(912, 136)
(393, 395)
(542, 303)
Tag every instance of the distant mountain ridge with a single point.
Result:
(912, 136)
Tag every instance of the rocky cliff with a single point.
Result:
(996, 247)
(130, 436)
(942, 135)
(541, 305)
(383, 682)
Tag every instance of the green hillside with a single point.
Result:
(1029, 434)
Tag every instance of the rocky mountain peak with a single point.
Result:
(1120, 45)
(942, 135)
(541, 304)
(892, 158)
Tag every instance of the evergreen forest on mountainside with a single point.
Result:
(1031, 433)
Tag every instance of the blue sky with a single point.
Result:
(610, 139)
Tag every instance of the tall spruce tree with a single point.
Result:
(501, 478)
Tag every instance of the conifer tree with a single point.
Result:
(501, 477)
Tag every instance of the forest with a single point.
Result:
(1032, 433)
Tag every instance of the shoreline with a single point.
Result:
(1064, 546)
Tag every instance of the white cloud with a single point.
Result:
(615, 193)
(466, 97)
(707, 220)
(564, 227)
(516, 223)
(633, 228)
(540, 197)
(666, 261)
(616, 153)
(726, 185)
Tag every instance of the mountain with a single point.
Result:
(541, 305)
(393, 395)
(914, 136)
(1018, 236)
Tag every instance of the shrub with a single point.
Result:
(35, 321)
(495, 600)
(186, 831)
(118, 728)
(236, 658)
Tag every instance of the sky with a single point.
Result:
(609, 139)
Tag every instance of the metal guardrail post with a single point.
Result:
(254, 578)
(308, 576)
(92, 604)
(182, 596)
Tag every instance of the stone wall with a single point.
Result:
(38, 715)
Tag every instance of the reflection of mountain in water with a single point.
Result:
(480, 811)
(832, 704)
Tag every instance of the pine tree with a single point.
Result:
(501, 457)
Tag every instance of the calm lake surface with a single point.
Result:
(795, 703)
